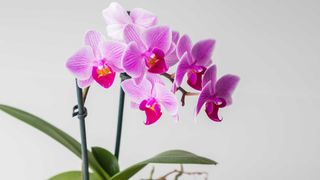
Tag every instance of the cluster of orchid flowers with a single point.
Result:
(146, 51)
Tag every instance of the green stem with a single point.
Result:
(123, 77)
(81, 115)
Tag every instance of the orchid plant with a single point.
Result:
(142, 52)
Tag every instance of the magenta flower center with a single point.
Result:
(152, 110)
(103, 74)
(154, 60)
(195, 77)
(212, 108)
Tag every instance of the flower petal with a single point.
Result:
(137, 92)
(80, 64)
(115, 31)
(210, 75)
(143, 17)
(202, 52)
(85, 83)
(203, 97)
(225, 87)
(116, 14)
(93, 39)
(167, 99)
(175, 37)
(133, 61)
(184, 45)
(132, 33)
(212, 111)
(182, 69)
(106, 80)
(153, 116)
(154, 78)
(158, 37)
(195, 77)
(113, 52)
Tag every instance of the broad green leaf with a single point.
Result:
(106, 160)
(55, 133)
(167, 157)
(73, 175)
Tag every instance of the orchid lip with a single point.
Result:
(155, 61)
(103, 74)
(152, 110)
(195, 77)
(212, 108)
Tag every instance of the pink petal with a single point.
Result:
(172, 49)
(167, 99)
(184, 45)
(203, 97)
(140, 78)
(85, 83)
(137, 92)
(159, 67)
(182, 69)
(171, 57)
(80, 64)
(212, 111)
(195, 77)
(133, 61)
(210, 75)
(133, 34)
(113, 52)
(225, 87)
(143, 17)
(93, 39)
(105, 81)
(175, 37)
(154, 79)
(153, 116)
(116, 18)
(158, 37)
(115, 31)
(116, 14)
(202, 52)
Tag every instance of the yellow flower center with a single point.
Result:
(153, 60)
(103, 71)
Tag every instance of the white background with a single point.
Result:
(270, 132)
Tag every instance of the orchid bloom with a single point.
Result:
(97, 61)
(146, 51)
(216, 94)
(117, 18)
(149, 96)
(194, 61)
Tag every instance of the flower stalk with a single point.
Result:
(82, 113)
(123, 77)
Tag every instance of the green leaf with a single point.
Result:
(73, 175)
(55, 133)
(106, 160)
(168, 157)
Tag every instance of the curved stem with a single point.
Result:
(182, 90)
(81, 115)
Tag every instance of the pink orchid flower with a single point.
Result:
(117, 18)
(97, 61)
(146, 51)
(193, 61)
(216, 94)
(149, 96)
